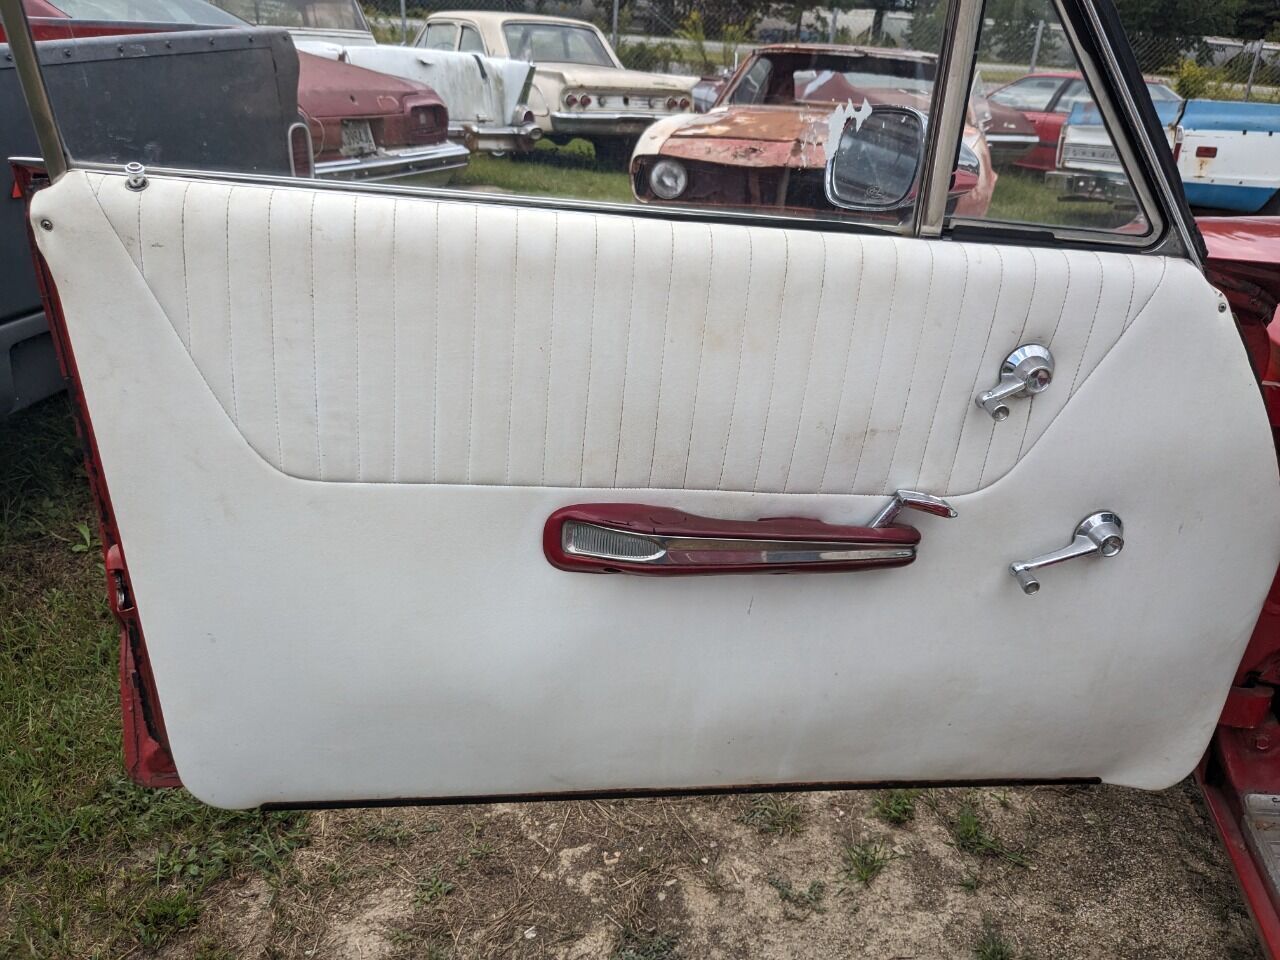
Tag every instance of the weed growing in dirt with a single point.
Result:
(809, 900)
(863, 862)
(432, 888)
(895, 806)
(771, 813)
(992, 944)
(973, 836)
(636, 945)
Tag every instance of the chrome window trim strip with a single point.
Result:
(22, 51)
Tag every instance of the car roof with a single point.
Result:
(498, 17)
(888, 53)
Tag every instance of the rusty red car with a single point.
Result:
(363, 125)
(763, 143)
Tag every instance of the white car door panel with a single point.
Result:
(334, 424)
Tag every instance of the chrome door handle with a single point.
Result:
(1024, 373)
(924, 502)
(1100, 534)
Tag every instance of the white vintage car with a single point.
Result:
(581, 88)
(486, 96)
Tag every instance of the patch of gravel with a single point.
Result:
(1072, 872)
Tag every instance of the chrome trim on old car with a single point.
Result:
(439, 158)
(23, 51)
(1100, 534)
(1024, 373)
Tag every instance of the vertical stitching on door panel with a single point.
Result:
(1084, 350)
(742, 342)
(355, 286)
(231, 336)
(977, 377)
(475, 331)
(142, 264)
(702, 349)
(626, 362)
(515, 329)
(186, 290)
(844, 377)
(808, 370)
(315, 358)
(777, 345)
(591, 342)
(662, 361)
(942, 384)
(915, 361)
(875, 386)
(1022, 335)
(271, 310)
(551, 344)
(1164, 268)
(1031, 402)
(395, 342)
(435, 351)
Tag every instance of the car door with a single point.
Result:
(365, 458)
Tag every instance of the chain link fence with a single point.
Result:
(708, 38)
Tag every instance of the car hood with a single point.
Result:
(330, 88)
(611, 78)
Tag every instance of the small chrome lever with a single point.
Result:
(1024, 373)
(1100, 533)
(925, 502)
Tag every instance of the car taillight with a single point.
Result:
(426, 123)
(571, 100)
(671, 103)
(585, 100)
(684, 103)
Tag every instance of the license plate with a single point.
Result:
(357, 138)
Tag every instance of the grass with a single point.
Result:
(992, 944)
(895, 807)
(774, 813)
(94, 866)
(972, 835)
(809, 899)
(863, 862)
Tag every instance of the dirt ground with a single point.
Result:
(1071, 872)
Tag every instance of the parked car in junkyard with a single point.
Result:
(1227, 152)
(1033, 464)
(580, 88)
(486, 96)
(1046, 98)
(764, 141)
(364, 125)
(226, 99)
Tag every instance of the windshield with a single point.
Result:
(317, 14)
(148, 11)
(795, 78)
(555, 43)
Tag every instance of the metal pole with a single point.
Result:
(1035, 47)
(835, 15)
(404, 24)
(18, 31)
(614, 38)
(1253, 69)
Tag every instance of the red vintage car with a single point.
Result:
(364, 125)
(1046, 98)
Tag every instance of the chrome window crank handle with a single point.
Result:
(1100, 534)
(1024, 373)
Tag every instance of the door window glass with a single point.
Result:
(439, 36)
(471, 42)
(1053, 160)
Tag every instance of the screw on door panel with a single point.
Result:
(137, 176)
(46, 224)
